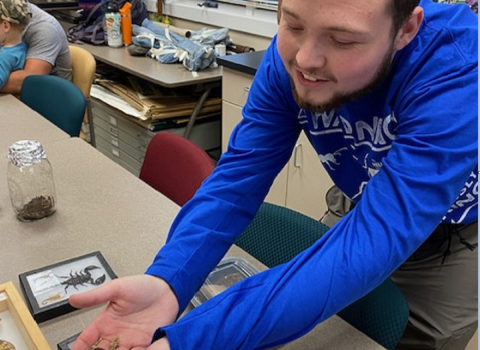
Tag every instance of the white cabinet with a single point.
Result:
(307, 180)
(303, 182)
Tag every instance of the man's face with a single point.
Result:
(334, 51)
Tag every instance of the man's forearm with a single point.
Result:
(14, 82)
(32, 67)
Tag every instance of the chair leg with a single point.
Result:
(196, 111)
(90, 123)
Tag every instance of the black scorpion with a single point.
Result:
(82, 277)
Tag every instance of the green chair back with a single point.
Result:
(277, 234)
(382, 314)
(58, 100)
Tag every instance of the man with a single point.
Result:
(389, 89)
(47, 53)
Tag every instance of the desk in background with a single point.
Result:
(167, 75)
(120, 137)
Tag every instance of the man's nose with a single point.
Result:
(311, 56)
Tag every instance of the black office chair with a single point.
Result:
(277, 234)
(57, 99)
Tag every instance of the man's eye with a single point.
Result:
(293, 28)
(344, 44)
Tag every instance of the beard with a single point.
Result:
(341, 98)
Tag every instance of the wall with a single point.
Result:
(241, 38)
(247, 25)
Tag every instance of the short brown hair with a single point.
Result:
(401, 11)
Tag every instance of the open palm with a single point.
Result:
(136, 307)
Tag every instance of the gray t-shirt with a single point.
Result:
(47, 41)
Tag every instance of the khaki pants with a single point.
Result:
(442, 298)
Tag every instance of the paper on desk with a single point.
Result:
(117, 102)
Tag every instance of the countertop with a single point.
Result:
(247, 62)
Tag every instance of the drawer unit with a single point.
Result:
(135, 147)
(118, 156)
(117, 124)
(235, 86)
(123, 140)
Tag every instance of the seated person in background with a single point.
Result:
(47, 53)
(14, 17)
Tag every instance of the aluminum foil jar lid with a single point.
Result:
(25, 153)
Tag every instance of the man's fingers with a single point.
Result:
(85, 341)
(93, 297)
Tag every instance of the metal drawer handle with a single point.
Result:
(296, 156)
(113, 130)
(143, 139)
(246, 89)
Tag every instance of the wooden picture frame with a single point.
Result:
(47, 289)
(17, 324)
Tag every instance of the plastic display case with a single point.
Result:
(228, 272)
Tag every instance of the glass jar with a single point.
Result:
(30, 181)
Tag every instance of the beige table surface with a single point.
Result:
(19, 122)
(168, 75)
(101, 206)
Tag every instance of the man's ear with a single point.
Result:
(410, 29)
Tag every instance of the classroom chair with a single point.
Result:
(57, 99)
(175, 166)
(83, 74)
(277, 234)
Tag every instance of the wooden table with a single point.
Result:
(101, 206)
(19, 122)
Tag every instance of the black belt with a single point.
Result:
(443, 233)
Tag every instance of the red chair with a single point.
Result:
(175, 166)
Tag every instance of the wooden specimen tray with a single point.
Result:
(17, 324)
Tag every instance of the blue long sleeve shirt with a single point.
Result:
(406, 155)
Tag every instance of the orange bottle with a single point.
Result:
(126, 14)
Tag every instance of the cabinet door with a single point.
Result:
(231, 116)
(235, 86)
(308, 181)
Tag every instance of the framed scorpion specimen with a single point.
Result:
(47, 289)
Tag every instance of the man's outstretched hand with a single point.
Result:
(136, 307)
